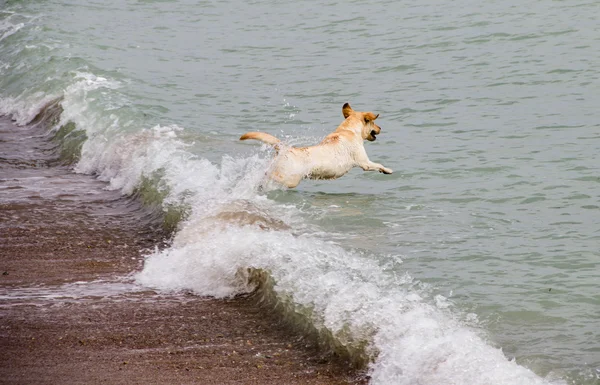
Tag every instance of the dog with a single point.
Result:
(339, 152)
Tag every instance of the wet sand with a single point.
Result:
(70, 314)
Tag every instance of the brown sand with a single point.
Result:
(62, 233)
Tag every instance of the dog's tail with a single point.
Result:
(266, 138)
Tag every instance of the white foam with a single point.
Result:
(418, 342)
(7, 28)
(24, 108)
(69, 291)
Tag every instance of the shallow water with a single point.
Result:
(486, 235)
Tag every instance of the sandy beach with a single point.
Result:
(70, 315)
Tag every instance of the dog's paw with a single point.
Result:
(386, 170)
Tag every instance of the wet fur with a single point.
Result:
(337, 154)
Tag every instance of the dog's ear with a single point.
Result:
(347, 110)
(369, 117)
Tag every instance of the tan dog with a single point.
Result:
(333, 157)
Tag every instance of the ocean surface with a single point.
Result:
(476, 262)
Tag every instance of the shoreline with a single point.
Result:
(69, 314)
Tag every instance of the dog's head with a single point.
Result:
(365, 121)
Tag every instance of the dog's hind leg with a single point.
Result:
(289, 181)
(292, 184)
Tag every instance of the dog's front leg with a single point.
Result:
(362, 161)
(372, 166)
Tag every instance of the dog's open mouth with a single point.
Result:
(373, 134)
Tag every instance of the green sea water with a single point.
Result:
(489, 116)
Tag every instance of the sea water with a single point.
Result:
(476, 262)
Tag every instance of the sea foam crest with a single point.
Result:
(348, 293)
(7, 28)
(24, 108)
